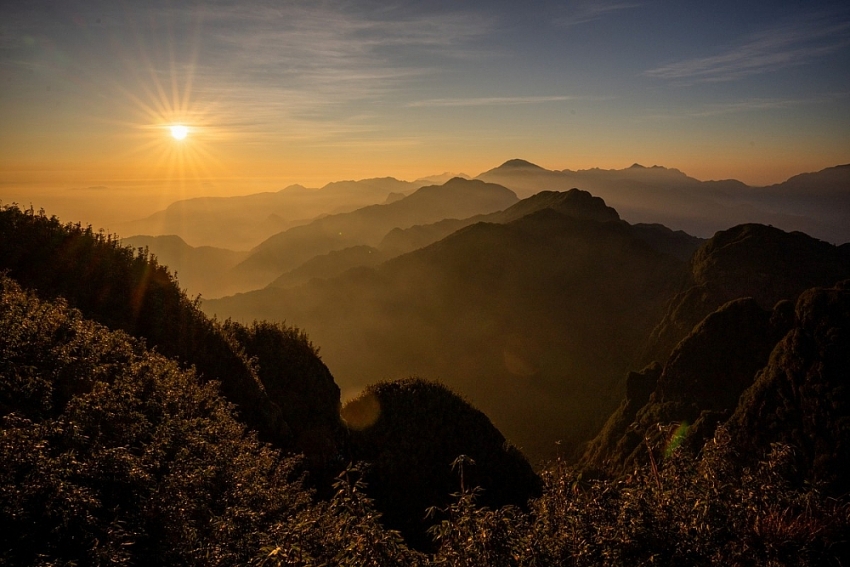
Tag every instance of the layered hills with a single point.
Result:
(101, 433)
(121, 401)
(197, 267)
(250, 219)
(538, 309)
(457, 198)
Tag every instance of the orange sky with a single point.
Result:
(304, 93)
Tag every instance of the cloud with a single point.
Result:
(746, 106)
(584, 12)
(790, 44)
(490, 101)
(315, 69)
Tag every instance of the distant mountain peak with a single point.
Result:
(518, 163)
(637, 166)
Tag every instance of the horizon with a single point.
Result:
(130, 201)
(265, 96)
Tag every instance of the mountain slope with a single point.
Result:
(801, 396)
(285, 251)
(769, 378)
(113, 454)
(535, 321)
(131, 292)
(750, 260)
(575, 203)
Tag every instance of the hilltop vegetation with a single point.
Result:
(114, 455)
(129, 291)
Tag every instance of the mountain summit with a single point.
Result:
(519, 164)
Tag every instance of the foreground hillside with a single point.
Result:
(114, 455)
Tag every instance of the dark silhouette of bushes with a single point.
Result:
(296, 379)
(410, 432)
(112, 454)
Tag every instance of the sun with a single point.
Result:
(178, 132)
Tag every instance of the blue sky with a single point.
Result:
(281, 92)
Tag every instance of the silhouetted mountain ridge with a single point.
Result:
(816, 203)
(741, 291)
(249, 219)
(749, 260)
(458, 197)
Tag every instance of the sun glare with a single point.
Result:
(178, 132)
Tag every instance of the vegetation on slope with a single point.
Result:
(129, 291)
(112, 454)
(410, 431)
(748, 260)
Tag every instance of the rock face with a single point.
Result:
(802, 396)
(410, 432)
(749, 260)
(702, 381)
(779, 376)
(712, 342)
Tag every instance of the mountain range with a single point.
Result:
(815, 203)
(537, 308)
(272, 225)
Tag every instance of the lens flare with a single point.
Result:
(362, 412)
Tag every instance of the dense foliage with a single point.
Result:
(112, 454)
(128, 290)
(410, 431)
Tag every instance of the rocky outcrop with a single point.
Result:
(702, 381)
(802, 396)
(749, 260)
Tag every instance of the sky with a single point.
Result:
(280, 92)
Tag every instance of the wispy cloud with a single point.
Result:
(584, 12)
(745, 106)
(783, 46)
(314, 70)
(490, 101)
